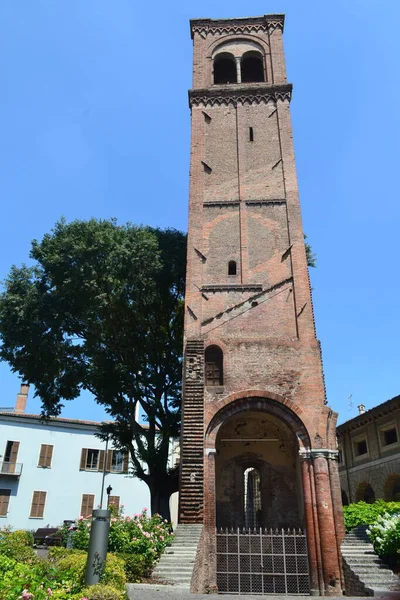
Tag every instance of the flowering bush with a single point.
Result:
(16, 544)
(141, 536)
(385, 536)
(362, 513)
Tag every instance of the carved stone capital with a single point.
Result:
(240, 94)
(312, 453)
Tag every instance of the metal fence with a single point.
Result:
(262, 562)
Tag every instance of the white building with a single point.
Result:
(55, 470)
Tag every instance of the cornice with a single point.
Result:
(249, 25)
(240, 94)
(373, 414)
(312, 453)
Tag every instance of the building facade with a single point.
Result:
(57, 470)
(369, 454)
(258, 446)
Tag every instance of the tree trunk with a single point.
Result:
(159, 499)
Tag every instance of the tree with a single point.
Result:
(311, 257)
(102, 310)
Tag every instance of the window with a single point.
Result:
(87, 505)
(113, 501)
(345, 500)
(225, 69)
(37, 506)
(214, 366)
(252, 498)
(92, 459)
(4, 501)
(232, 268)
(45, 456)
(251, 134)
(10, 457)
(252, 68)
(361, 447)
(388, 435)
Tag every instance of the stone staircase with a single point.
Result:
(177, 562)
(365, 573)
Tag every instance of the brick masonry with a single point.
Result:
(244, 207)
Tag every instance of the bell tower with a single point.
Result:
(258, 448)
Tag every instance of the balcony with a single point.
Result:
(11, 469)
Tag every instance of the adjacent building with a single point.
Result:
(369, 454)
(56, 470)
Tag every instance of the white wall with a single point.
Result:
(63, 482)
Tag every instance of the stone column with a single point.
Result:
(210, 521)
(316, 586)
(238, 69)
(337, 506)
(329, 549)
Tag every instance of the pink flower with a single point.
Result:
(144, 509)
(49, 591)
(113, 520)
(146, 534)
(81, 518)
(161, 537)
(70, 528)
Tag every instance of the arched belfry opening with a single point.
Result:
(257, 475)
(225, 68)
(252, 68)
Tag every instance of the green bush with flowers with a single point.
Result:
(139, 540)
(385, 536)
(134, 546)
(361, 513)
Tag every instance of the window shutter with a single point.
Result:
(125, 465)
(4, 500)
(14, 452)
(101, 460)
(83, 459)
(114, 501)
(37, 507)
(46, 454)
(109, 460)
(87, 505)
(49, 456)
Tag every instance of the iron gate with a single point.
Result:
(262, 562)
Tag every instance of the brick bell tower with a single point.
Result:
(258, 446)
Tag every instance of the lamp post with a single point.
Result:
(108, 490)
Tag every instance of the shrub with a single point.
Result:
(362, 513)
(102, 592)
(136, 566)
(385, 536)
(17, 544)
(72, 564)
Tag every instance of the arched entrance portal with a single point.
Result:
(257, 473)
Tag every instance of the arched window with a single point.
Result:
(392, 488)
(252, 498)
(365, 493)
(225, 68)
(232, 268)
(252, 67)
(345, 500)
(214, 366)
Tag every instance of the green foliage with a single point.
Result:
(102, 592)
(17, 544)
(311, 257)
(101, 310)
(137, 566)
(362, 513)
(139, 541)
(385, 536)
(61, 577)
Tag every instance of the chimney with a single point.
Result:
(361, 409)
(22, 397)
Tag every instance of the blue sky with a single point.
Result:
(95, 122)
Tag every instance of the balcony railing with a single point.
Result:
(10, 468)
